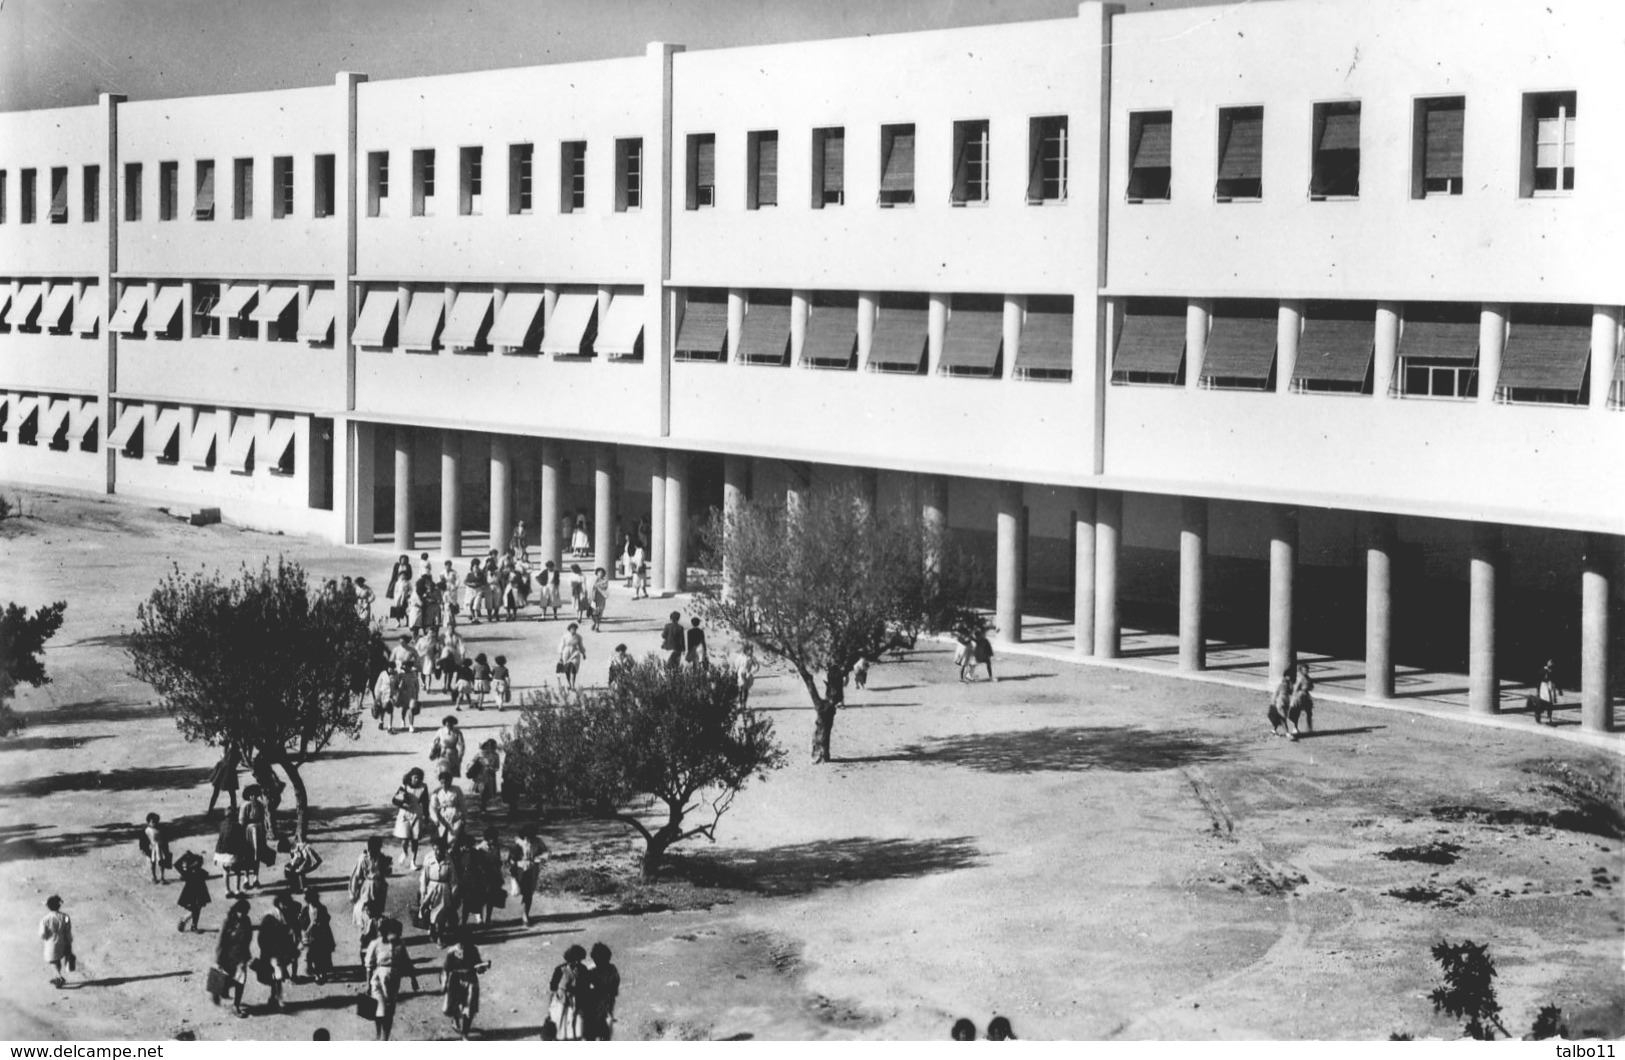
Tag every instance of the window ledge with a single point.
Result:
(975, 203)
(1047, 202)
(1333, 198)
(1132, 201)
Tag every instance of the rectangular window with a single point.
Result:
(132, 191)
(242, 189)
(897, 165)
(762, 169)
(423, 182)
(970, 162)
(29, 190)
(1046, 159)
(326, 186)
(281, 186)
(1335, 169)
(203, 191)
(702, 171)
(520, 161)
(1436, 138)
(1150, 151)
(59, 195)
(1547, 356)
(205, 296)
(470, 180)
(828, 167)
(1241, 154)
(92, 194)
(1549, 125)
(377, 183)
(169, 195)
(572, 175)
(628, 175)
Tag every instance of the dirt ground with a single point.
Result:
(1092, 853)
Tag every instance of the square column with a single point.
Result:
(1596, 705)
(451, 494)
(403, 489)
(1283, 571)
(603, 509)
(1083, 562)
(676, 522)
(1108, 532)
(1192, 563)
(361, 486)
(501, 492)
(1007, 571)
(547, 528)
(656, 545)
(1379, 604)
(1483, 687)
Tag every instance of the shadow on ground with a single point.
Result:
(141, 778)
(803, 868)
(1065, 749)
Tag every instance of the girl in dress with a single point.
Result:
(474, 590)
(437, 890)
(493, 590)
(600, 596)
(566, 987)
(460, 982)
(302, 861)
(194, 888)
(446, 808)
(399, 590)
(411, 804)
(56, 929)
(550, 590)
(482, 680)
(578, 592)
(527, 857)
(232, 952)
(279, 944)
(155, 846)
(501, 683)
(572, 652)
(490, 761)
(316, 936)
(232, 854)
(386, 962)
(369, 882)
(746, 666)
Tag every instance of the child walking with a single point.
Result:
(194, 888)
(316, 936)
(501, 682)
(482, 680)
(156, 847)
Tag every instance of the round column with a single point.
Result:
(1283, 572)
(1108, 531)
(1083, 577)
(547, 534)
(656, 545)
(676, 522)
(1192, 561)
(1483, 687)
(1007, 607)
(603, 512)
(403, 489)
(1379, 604)
(451, 494)
(1596, 704)
(501, 492)
(735, 473)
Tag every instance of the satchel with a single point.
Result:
(219, 984)
(475, 768)
(267, 855)
(262, 970)
(284, 845)
(366, 1006)
(72, 961)
(558, 667)
(434, 749)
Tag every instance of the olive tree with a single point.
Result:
(22, 642)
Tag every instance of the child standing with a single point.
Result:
(194, 888)
(860, 672)
(619, 663)
(504, 687)
(482, 680)
(640, 575)
(578, 592)
(56, 928)
(156, 847)
(316, 936)
(302, 861)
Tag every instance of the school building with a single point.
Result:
(1294, 324)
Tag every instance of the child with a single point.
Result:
(578, 592)
(460, 982)
(482, 680)
(194, 888)
(619, 663)
(316, 936)
(302, 861)
(463, 690)
(860, 672)
(746, 666)
(640, 575)
(499, 677)
(156, 848)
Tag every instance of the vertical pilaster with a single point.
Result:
(1604, 349)
(1198, 315)
(1385, 356)
(1108, 532)
(361, 489)
(736, 321)
(868, 308)
(1007, 574)
(1283, 575)
(1483, 685)
(107, 379)
(1015, 314)
(1379, 606)
(1192, 577)
(1289, 326)
(735, 473)
(800, 310)
(936, 331)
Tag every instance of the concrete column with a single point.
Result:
(1385, 356)
(1283, 571)
(403, 305)
(657, 524)
(1007, 572)
(1192, 564)
(1492, 338)
(603, 515)
(1083, 588)
(606, 295)
(1596, 704)
(305, 289)
(1288, 326)
(547, 533)
(868, 306)
(403, 489)
(1108, 531)
(265, 325)
(936, 331)
(735, 473)
(934, 519)
(550, 299)
(499, 292)
(1604, 348)
(800, 307)
(1198, 315)
(737, 297)
(451, 494)
(362, 480)
(1483, 687)
(1015, 314)
(501, 491)
(1379, 606)
(676, 521)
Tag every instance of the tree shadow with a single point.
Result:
(104, 640)
(1007, 678)
(140, 778)
(802, 868)
(123, 979)
(50, 743)
(506, 1034)
(1310, 734)
(1065, 750)
(91, 710)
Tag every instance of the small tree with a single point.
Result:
(652, 752)
(1467, 992)
(260, 663)
(831, 583)
(22, 642)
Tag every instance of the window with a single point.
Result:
(1046, 160)
(896, 165)
(242, 189)
(1335, 171)
(628, 175)
(29, 190)
(203, 191)
(281, 186)
(520, 157)
(1241, 154)
(1150, 343)
(169, 179)
(973, 340)
(1335, 347)
(1436, 136)
(132, 191)
(1548, 143)
(572, 175)
(92, 194)
(205, 296)
(3, 190)
(828, 168)
(470, 180)
(1547, 356)
(423, 182)
(762, 169)
(1438, 351)
(970, 162)
(703, 333)
(377, 183)
(325, 187)
(702, 170)
(1150, 167)
(59, 195)
(1241, 346)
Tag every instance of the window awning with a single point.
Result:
(422, 320)
(23, 305)
(274, 304)
(898, 343)
(56, 306)
(1334, 350)
(1156, 141)
(705, 327)
(514, 321)
(1442, 158)
(1341, 132)
(1243, 154)
(59, 198)
(971, 344)
(165, 424)
(239, 442)
(127, 317)
(618, 335)
(1440, 340)
(1153, 343)
(23, 407)
(5, 407)
(234, 299)
(87, 314)
(273, 444)
(165, 308)
(765, 335)
(1240, 348)
(204, 206)
(196, 443)
(567, 324)
(377, 314)
(832, 335)
(53, 414)
(1046, 341)
(705, 161)
(1546, 357)
(5, 302)
(835, 161)
(83, 415)
(317, 323)
(468, 315)
(897, 173)
(131, 417)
